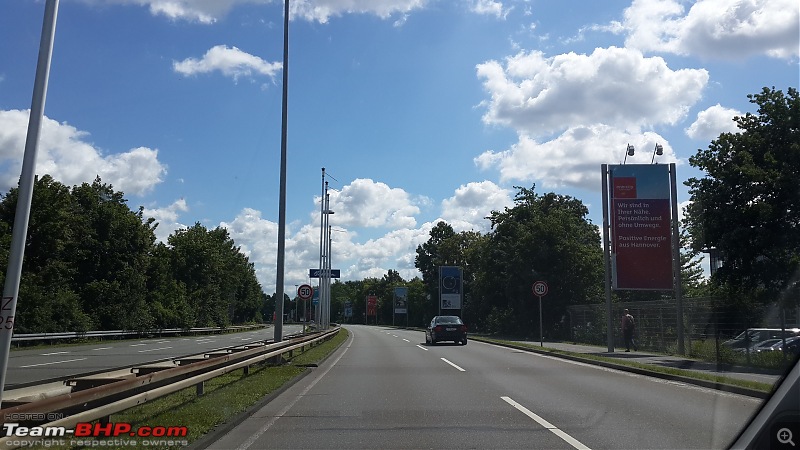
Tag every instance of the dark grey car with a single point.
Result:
(446, 328)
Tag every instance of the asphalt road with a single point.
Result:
(31, 366)
(385, 388)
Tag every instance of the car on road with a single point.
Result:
(446, 328)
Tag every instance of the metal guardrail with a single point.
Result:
(125, 333)
(100, 402)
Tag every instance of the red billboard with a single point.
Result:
(372, 305)
(641, 234)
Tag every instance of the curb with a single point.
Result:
(650, 373)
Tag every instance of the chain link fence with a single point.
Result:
(704, 319)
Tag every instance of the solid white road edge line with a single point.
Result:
(567, 438)
(254, 437)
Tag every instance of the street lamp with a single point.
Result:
(659, 150)
(628, 152)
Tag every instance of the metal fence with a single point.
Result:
(118, 334)
(656, 322)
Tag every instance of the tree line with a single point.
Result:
(92, 263)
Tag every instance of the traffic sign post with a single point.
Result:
(540, 290)
(304, 293)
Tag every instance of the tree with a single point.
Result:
(220, 281)
(430, 255)
(112, 252)
(747, 206)
(693, 281)
(48, 301)
(546, 237)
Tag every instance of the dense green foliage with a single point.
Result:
(747, 206)
(543, 237)
(93, 263)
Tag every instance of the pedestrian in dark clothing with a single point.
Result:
(628, 327)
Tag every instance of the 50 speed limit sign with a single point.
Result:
(539, 288)
(305, 292)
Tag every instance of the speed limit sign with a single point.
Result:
(540, 288)
(305, 292)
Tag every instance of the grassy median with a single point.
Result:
(225, 398)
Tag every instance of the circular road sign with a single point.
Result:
(305, 292)
(540, 288)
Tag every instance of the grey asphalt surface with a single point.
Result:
(384, 388)
(35, 365)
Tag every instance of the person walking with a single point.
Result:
(628, 327)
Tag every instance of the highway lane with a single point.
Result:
(34, 365)
(386, 389)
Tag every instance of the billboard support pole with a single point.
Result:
(676, 259)
(607, 260)
(439, 289)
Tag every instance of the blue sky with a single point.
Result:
(420, 110)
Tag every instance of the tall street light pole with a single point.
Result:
(282, 206)
(19, 233)
(318, 307)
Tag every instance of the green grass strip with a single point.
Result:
(755, 385)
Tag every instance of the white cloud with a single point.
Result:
(231, 61)
(472, 203)
(619, 87)
(64, 154)
(209, 11)
(258, 240)
(731, 29)
(490, 7)
(712, 122)
(322, 10)
(366, 203)
(167, 218)
(573, 158)
(396, 250)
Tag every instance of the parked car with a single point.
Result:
(757, 335)
(446, 328)
(792, 345)
(759, 346)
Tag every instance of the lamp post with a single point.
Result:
(281, 254)
(629, 151)
(659, 150)
(324, 269)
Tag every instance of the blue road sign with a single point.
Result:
(314, 273)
